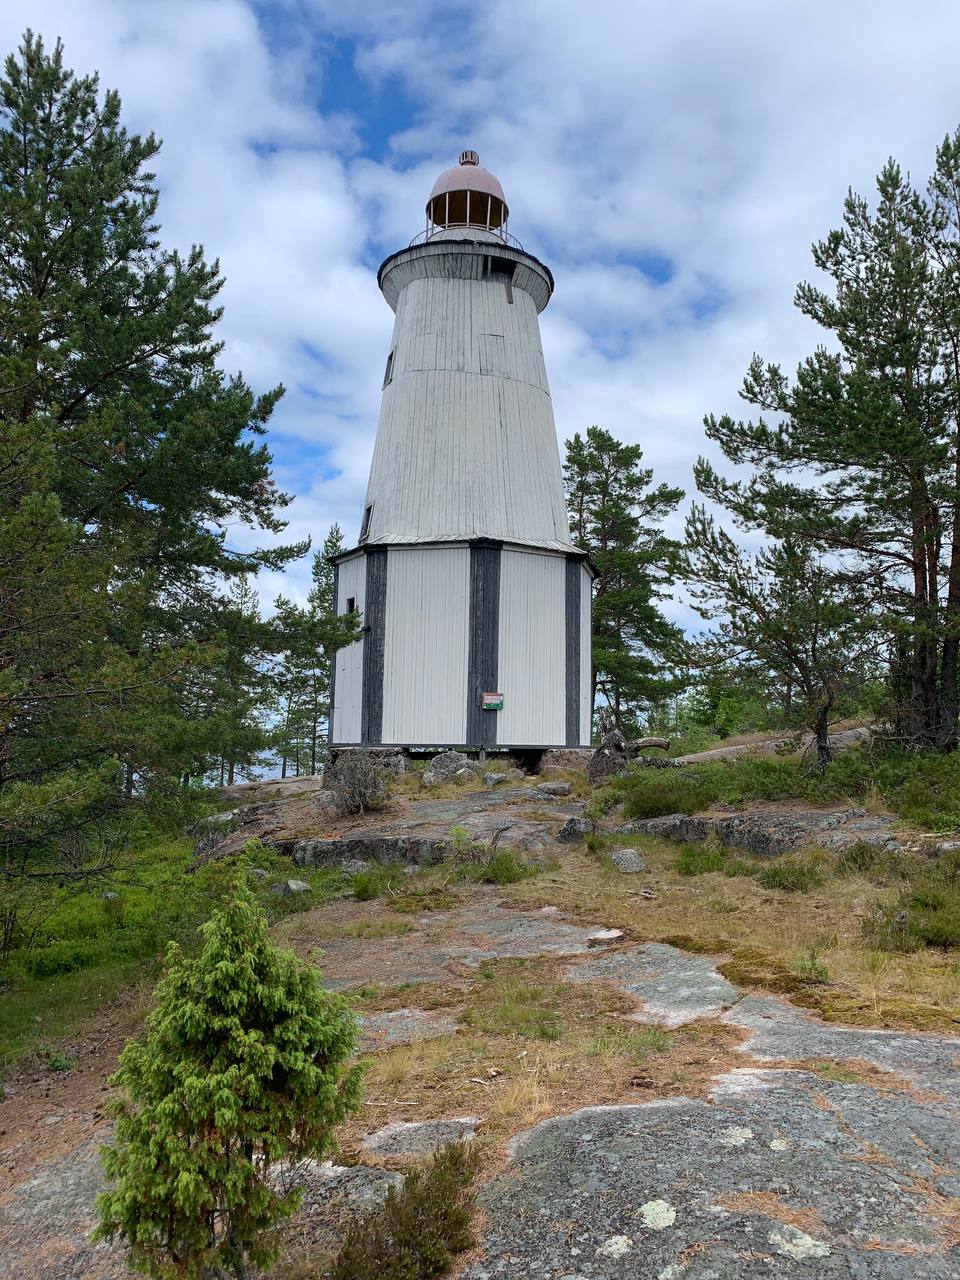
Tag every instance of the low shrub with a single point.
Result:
(506, 868)
(420, 1227)
(873, 862)
(367, 885)
(652, 793)
(925, 913)
(923, 788)
(358, 781)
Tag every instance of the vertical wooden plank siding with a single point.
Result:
(532, 649)
(483, 661)
(586, 653)
(572, 611)
(466, 445)
(351, 582)
(374, 618)
(425, 646)
(333, 663)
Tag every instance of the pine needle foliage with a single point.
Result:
(241, 1073)
(419, 1228)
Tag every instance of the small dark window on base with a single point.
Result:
(351, 604)
(365, 527)
(388, 372)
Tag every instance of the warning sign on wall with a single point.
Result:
(491, 701)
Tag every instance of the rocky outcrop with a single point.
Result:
(449, 766)
(767, 833)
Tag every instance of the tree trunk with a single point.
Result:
(821, 736)
(230, 774)
(949, 729)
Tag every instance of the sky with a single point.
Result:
(671, 162)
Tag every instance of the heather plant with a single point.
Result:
(242, 1072)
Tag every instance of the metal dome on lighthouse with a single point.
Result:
(467, 196)
(475, 603)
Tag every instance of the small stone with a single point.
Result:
(657, 1215)
(287, 888)
(494, 779)
(52, 1120)
(628, 861)
(615, 1247)
(575, 830)
(553, 789)
(779, 1144)
(604, 935)
(109, 896)
(356, 866)
(257, 873)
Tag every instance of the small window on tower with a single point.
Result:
(351, 604)
(388, 374)
(365, 527)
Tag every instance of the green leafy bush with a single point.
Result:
(922, 788)
(243, 1065)
(420, 1227)
(506, 868)
(371, 884)
(652, 793)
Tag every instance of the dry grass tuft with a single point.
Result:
(764, 1204)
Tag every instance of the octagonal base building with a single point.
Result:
(475, 604)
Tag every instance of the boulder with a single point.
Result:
(494, 779)
(446, 767)
(288, 888)
(553, 789)
(575, 830)
(628, 861)
(257, 873)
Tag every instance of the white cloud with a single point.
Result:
(721, 137)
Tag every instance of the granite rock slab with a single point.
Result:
(675, 986)
(793, 1177)
(778, 1031)
(420, 1137)
(403, 1026)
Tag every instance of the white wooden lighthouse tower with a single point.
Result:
(475, 603)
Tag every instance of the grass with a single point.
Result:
(768, 936)
(922, 789)
(91, 947)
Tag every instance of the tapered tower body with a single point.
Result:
(475, 603)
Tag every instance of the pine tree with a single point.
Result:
(241, 1073)
(783, 618)
(310, 638)
(615, 516)
(862, 459)
(126, 455)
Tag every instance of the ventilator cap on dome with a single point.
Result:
(468, 196)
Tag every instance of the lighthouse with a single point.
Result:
(475, 604)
